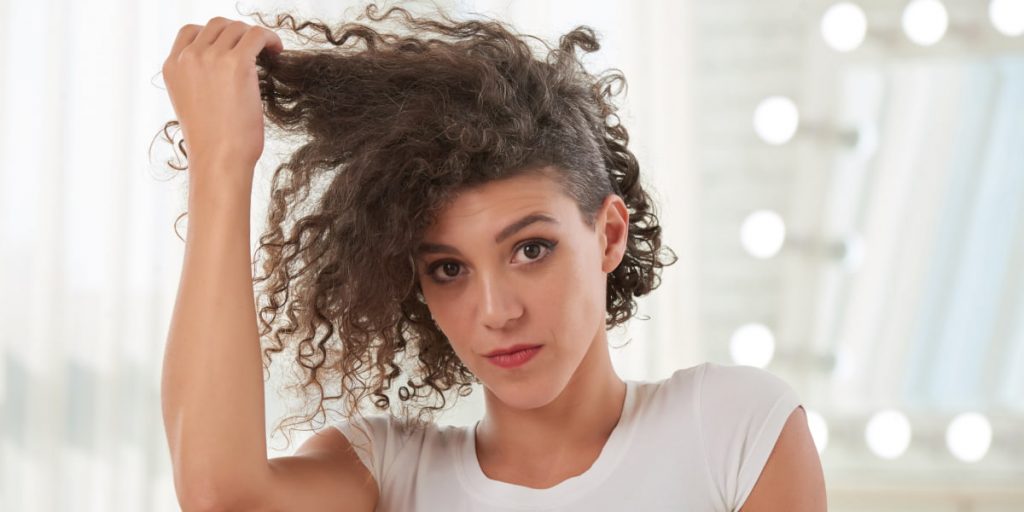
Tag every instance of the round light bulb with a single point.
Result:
(776, 119)
(969, 436)
(1007, 16)
(888, 434)
(843, 26)
(763, 233)
(752, 345)
(925, 21)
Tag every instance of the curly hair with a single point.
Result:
(391, 131)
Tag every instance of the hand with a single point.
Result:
(212, 83)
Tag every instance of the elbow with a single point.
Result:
(191, 500)
(208, 498)
(201, 486)
(202, 503)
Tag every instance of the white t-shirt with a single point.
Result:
(697, 440)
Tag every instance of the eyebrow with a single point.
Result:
(508, 231)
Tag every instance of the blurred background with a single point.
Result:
(842, 181)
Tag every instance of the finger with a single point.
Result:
(211, 31)
(230, 36)
(256, 39)
(185, 36)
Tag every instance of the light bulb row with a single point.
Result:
(776, 118)
(888, 434)
(925, 22)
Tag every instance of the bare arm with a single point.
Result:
(792, 479)
(212, 381)
(212, 384)
(212, 389)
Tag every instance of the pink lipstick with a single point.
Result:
(514, 356)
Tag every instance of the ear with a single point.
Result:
(613, 231)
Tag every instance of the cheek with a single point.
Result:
(573, 297)
(445, 308)
(437, 309)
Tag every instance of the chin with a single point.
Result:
(524, 394)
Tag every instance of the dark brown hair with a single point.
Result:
(392, 125)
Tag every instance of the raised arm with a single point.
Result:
(212, 382)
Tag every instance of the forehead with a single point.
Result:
(498, 201)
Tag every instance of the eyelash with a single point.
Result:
(546, 244)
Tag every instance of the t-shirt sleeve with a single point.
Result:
(376, 440)
(742, 410)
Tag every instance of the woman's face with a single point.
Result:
(511, 262)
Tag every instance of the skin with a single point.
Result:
(547, 420)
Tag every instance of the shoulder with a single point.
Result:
(742, 402)
(792, 479)
(738, 382)
(742, 411)
(714, 380)
(723, 392)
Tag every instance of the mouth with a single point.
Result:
(514, 356)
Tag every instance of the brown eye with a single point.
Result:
(450, 269)
(536, 250)
(531, 254)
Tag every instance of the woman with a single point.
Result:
(460, 205)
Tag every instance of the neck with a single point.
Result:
(578, 421)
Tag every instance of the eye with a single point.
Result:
(534, 250)
(448, 268)
(540, 246)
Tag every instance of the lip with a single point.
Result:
(514, 356)
(509, 350)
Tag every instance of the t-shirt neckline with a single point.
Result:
(510, 495)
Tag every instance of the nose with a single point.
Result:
(498, 302)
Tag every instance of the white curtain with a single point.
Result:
(89, 261)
